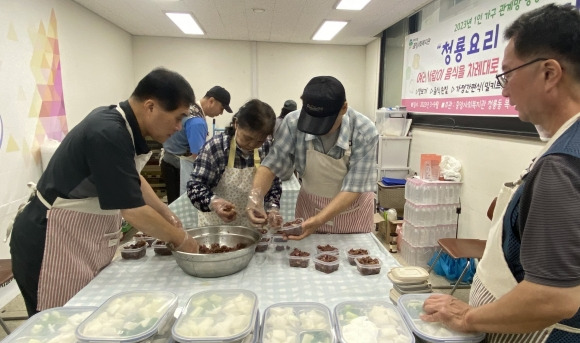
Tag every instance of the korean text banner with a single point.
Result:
(451, 68)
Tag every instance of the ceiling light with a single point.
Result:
(329, 29)
(258, 10)
(353, 5)
(185, 22)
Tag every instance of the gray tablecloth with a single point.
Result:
(268, 275)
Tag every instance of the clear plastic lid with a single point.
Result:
(217, 316)
(53, 325)
(128, 317)
(370, 321)
(411, 274)
(411, 306)
(291, 321)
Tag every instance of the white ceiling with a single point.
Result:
(286, 21)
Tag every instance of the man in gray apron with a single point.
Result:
(70, 228)
(333, 149)
(188, 141)
(527, 285)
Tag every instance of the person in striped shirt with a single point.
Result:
(332, 147)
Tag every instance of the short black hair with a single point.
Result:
(551, 31)
(168, 87)
(256, 116)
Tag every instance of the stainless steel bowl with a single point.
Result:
(220, 264)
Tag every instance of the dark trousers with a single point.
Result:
(27, 251)
(171, 176)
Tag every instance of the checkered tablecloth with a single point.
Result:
(268, 275)
(187, 213)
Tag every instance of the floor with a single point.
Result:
(16, 307)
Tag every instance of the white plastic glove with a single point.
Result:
(255, 208)
(223, 208)
(274, 217)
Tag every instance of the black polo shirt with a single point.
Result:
(96, 159)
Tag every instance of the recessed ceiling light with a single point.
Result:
(258, 10)
(185, 22)
(353, 5)
(329, 29)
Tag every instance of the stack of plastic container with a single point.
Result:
(393, 146)
(408, 280)
(430, 214)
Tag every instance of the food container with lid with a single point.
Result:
(217, 316)
(134, 250)
(297, 322)
(355, 253)
(292, 228)
(408, 275)
(411, 307)
(263, 243)
(129, 317)
(370, 321)
(55, 325)
(368, 265)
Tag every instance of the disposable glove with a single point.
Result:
(223, 208)
(255, 208)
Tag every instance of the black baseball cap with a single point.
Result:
(290, 105)
(322, 99)
(221, 95)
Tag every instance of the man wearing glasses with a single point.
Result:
(527, 285)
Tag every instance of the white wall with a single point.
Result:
(96, 68)
(272, 72)
(488, 162)
(373, 58)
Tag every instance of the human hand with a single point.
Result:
(223, 208)
(175, 221)
(188, 245)
(309, 226)
(255, 208)
(448, 310)
(274, 217)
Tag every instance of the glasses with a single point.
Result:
(503, 80)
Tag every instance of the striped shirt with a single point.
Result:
(290, 145)
(211, 163)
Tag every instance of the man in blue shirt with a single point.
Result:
(333, 149)
(191, 138)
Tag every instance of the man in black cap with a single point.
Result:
(332, 147)
(289, 106)
(188, 141)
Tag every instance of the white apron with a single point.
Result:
(81, 239)
(493, 278)
(321, 182)
(234, 186)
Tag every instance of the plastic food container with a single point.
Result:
(370, 321)
(328, 249)
(140, 236)
(297, 322)
(53, 325)
(411, 307)
(352, 254)
(368, 265)
(292, 228)
(408, 275)
(299, 258)
(161, 248)
(279, 238)
(134, 250)
(129, 317)
(263, 244)
(326, 263)
(217, 316)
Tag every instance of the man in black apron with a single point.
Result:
(527, 285)
(70, 228)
